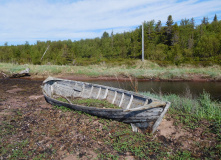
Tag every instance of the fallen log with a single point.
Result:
(3, 75)
(23, 73)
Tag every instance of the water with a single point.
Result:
(180, 88)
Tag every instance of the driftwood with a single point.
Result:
(21, 74)
(142, 112)
(3, 75)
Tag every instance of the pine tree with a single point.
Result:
(150, 29)
(169, 30)
(192, 23)
(205, 20)
(158, 26)
(184, 22)
(169, 22)
(215, 18)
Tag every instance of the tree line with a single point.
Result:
(172, 43)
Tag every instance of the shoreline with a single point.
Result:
(193, 78)
(139, 72)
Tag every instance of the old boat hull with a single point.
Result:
(144, 113)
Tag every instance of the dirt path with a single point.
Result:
(33, 129)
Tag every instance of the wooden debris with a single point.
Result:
(21, 74)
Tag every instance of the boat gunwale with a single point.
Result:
(119, 116)
(97, 108)
(136, 95)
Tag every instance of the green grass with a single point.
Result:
(138, 69)
(190, 112)
(15, 150)
(203, 107)
(91, 103)
(139, 145)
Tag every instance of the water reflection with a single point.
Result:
(180, 88)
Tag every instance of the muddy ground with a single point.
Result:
(30, 128)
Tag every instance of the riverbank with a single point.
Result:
(141, 71)
(30, 128)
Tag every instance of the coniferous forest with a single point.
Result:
(170, 44)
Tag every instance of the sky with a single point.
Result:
(30, 21)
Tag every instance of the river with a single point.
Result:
(180, 88)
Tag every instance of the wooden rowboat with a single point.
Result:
(142, 112)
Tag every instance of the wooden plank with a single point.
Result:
(67, 99)
(129, 104)
(151, 105)
(115, 95)
(91, 91)
(146, 102)
(105, 94)
(75, 85)
(82, 92)
(134, 127)
(52, 88)
(121, 101)
(157, 123)
(99, 92)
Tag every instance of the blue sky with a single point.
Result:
(32, 20)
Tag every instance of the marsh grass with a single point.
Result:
(190, 111)
(202, 107)
(146, 69)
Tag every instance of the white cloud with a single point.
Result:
(31, 20)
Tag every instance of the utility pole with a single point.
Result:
(143, 41)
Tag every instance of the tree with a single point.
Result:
(66, 55)
(184, 22)
(150, 29)
(171, 42)
(158, 26)
(208, 46)
(112, 39)
(169, 22)
(106, 43)
(169, 28)
(175, 37)
(192, 23)
(215, 18)
(105, 35)
(205, 20)
(159, 38)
